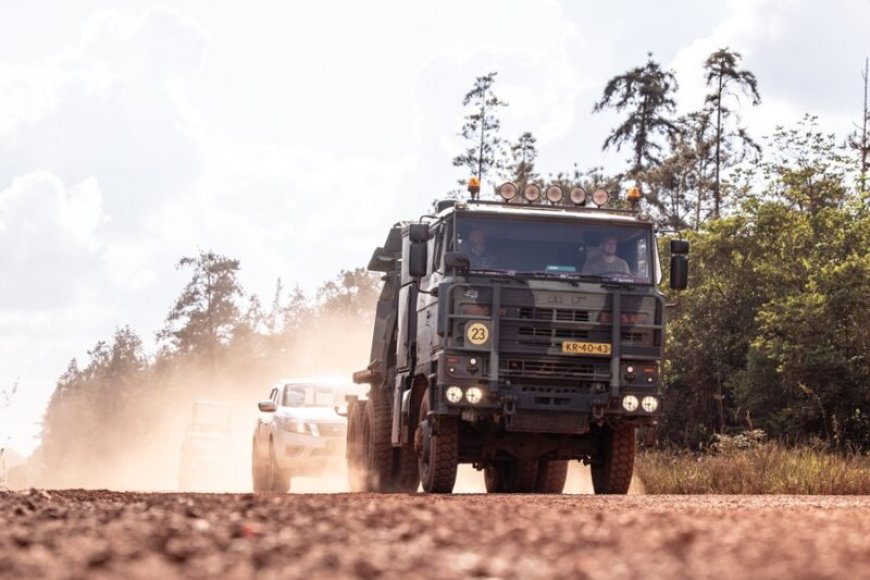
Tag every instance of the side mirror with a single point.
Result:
(679, 272)
(267, 406)
(418, 233)
(417, 255)
(457, 261)
(679, 247)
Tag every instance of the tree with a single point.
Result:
(480, 130)
(860, 139)
(204, 316)
(523, 153)
(724, 77)
(806, 168)
(645, 92)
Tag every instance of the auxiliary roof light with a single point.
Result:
(554, 194)
(532, 193)
(577, 195)
(600, 196)
(507, 191)
(633, 195)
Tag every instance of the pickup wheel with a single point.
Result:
(260, 473)
(279, 478)
(377, 450)
(551, 476)
(515, 476)
(439, 450)
(356, 473)
(611, 473)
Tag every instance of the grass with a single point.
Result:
(763, 468)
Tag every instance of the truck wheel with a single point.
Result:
(377, 451)
(260, 474)
(280, 478)
(513, 476)
(356, 473)
(407, 478)
(551, 476)
(611, 473)
(439, 453)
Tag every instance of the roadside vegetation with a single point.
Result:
(748, 464)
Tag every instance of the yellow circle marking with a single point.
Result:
(477, 333)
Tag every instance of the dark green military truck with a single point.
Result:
(514, 336)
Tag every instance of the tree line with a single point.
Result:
(218, 343)
(774, 332)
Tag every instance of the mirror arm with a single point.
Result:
(676, 302)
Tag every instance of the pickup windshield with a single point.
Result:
(557, 248)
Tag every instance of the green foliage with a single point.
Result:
(731, 144)
(523, 154)
(207, 311)
(773, 332)
(645, 93)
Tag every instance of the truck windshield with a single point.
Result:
(557, 248)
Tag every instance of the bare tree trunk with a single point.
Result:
(865, 146)
(717, 192)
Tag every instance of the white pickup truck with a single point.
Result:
(299, 431)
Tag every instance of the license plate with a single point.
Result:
(593, 348)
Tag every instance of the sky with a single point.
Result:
(291, 135)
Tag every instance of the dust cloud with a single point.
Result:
(129, 458)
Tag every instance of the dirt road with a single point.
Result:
(94, 534)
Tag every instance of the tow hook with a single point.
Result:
(597, 413)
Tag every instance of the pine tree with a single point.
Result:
(480, 130)
(645, 92)
(723, 77)
(207, 311)
(523, 153)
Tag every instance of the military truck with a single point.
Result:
(514, 335)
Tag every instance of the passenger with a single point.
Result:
(605, 261)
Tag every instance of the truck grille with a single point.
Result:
(557, 314)
(553, 371)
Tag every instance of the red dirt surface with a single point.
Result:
(100, 534)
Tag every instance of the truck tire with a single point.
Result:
(280, 478)
(260, 473)
(356, 473)
(407, 470)
(439, 457)
(611, 473)
(377, 450)
(551, 476)
(515, 476)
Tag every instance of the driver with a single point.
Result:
(480, 255)
(605, 261)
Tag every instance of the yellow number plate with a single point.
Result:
(593, 348)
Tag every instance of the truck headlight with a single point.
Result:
(474, 395)
(649, 404)
(630, 403)
(453, 394)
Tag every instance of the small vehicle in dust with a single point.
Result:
(300, 431)
(205, 453)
